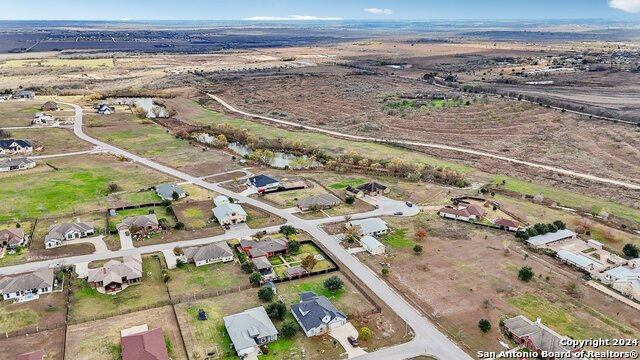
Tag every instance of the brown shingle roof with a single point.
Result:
(148, 345)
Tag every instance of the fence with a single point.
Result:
(208, 294)
(35, 329)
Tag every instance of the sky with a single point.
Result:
(301, 10)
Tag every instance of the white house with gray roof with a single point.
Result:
(228, 214)
(166, 191)
(27, 286)
(372, 245)
(316, 314)
(250, 329)
(371, 227)
(209, 254)
(14, 164)
(58, 233)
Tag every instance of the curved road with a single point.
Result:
(428, 339)
(434, 146)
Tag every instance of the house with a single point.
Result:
(33, 355)
(294, 271)
(506, 224)
(115, 276)
(372, 245)
(550, 238)
(42, 119)
(264, 267)
(25, 94)
(220, 199)
(49, 106)
(105, 109)
(371, 227)
(580, 261)
(535, 336)
(355, 192)
(166, 191)
(266, 247)
(629, 287)
(320, 202)
(25, 287)
(228, 214)
(14, 164)
(66, 231)
(209, 254)
(263, 183)
(249, 330)
(144, 345)
(626, 280)
(468, 212)
(373, 189)
(12, 147)
(12, 238)
(316, 314)
(142, 224)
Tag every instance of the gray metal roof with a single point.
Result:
(245, 327)
(370, 242)
(322, 200)
(578, 259)
(551, 237)
(369, 226)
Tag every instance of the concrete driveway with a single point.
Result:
(341, 333)
(126, 242)
(101, 247)
(82, 269)
(170, 258)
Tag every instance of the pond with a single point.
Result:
(280, 160)
(152, 109)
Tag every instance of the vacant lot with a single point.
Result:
(287, 199)
(188, 279)
(100, 339)
(52, 140)
(479, 280)
(133, 198)
(258, 218)
(52, 342)
(88, 304)
(78, 186)
(18, 113)
(82, 63)
(48, 310)
(195, 214)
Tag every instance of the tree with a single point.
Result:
(484, 325)
(352, 234)
(421, 234)
(630, 250)
(175, 195)
(417, 248)
(255, 278)
(294, 247)
(349, 200)
(179, 225)
(112, 187)
(289, 328)
(385, 271)
(560, 225)
(288, 230)
(248, 267)
(277, 310)
(4, 134)
(365, 333)
(333, 284)
(526, 273)
(309, 262)
(265, 293)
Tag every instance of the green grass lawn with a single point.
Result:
(139, 197)
(397, 238)
(12, 259)
(343, 184)
(567, 198)
(15, 320)
(188, 279)
(87, 302)
(275, 260)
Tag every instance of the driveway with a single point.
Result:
(82, 269)
(101, 247)
(170, 258)
(341, 333)
(126, 242)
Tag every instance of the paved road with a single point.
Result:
(428, 340)
(435, 146)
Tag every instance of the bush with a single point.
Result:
(179, 225)
(112, 187)
(255, 278)
(630, 250)
(294, 247)
(288, 230)
(289, 328)
(484, 325)
(277, 310)
(248, 267)
(333, 284)
(265, 293)
(526, 273)
(417, 249)
(349, 200)
(365, 333)
(309, 262)
(385, 271)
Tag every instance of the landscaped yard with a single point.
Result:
(87, 303)
(188, 279)
(97, 219)
(397, 238)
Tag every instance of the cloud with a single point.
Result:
(290, 17)
(378, 11)
(631, 6)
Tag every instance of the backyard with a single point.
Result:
(188, 279)
(48, 310)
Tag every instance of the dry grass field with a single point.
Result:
(52, 342)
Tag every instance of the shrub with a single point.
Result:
(333, 284)
(526, 273)
(255, 278)
(248, 267)
(288, 230)
(349, 200)
(309, 262)
(365, 333)
(179, 225)
(484, 325)
(294, 247)
(289, 328)
(417, 249)
(385, 271)
(112, 187)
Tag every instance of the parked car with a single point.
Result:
(353, 341)
(398, 213)
(409, 204)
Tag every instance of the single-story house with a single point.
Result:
(105, 109)
(115, 276)
(143, 223)
(371, 227)
(267, 247)
(250, 329)
(264, 267)
(535, 336)
(322, 201)
(27, 286)
(372, 245)
(32, 355)
(373, 189)
(49, 106)
(506, 224)
(25, 94)
(228, 213)
(42, 119)
(471, 212)
(551, 237)
(66, 231)
(294, 271)
(209, 254)
(355, 192)
(12, 238)
(12, 147)
(316, 314)
(580, 261)
(220, 199)
(14, 164)
(629, 287)
(145, 345)
(263, 183)
(166, 191)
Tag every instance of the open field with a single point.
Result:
(48, 310)
(133, 198)
(479, 281)
(100, 339)
(195, 214)
(258, 218)
(52, 140)
(78, 186)
(188, 279)
(18, 113)
(87, 304)
(52, 342)
(83, 63)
